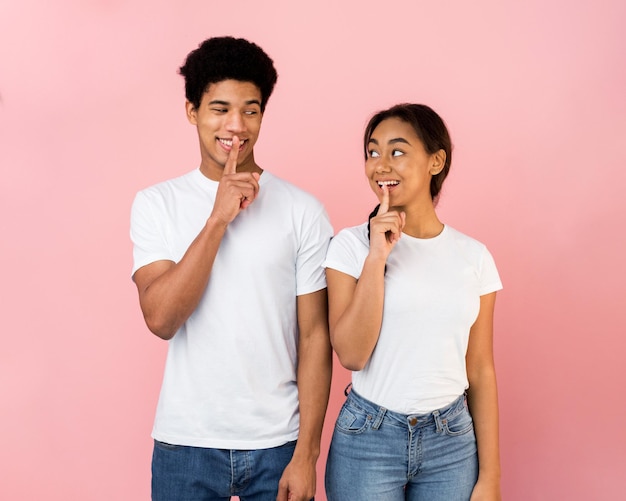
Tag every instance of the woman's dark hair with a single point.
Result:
(227, 58)
(429, 128)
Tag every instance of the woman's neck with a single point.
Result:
(422, 223)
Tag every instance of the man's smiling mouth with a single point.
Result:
(229, 142)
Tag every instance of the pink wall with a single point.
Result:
(91, 110)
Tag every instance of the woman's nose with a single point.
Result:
(382, 166)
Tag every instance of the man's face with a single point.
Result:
(228, 108)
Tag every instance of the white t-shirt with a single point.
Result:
(230, 375)
(432, 298)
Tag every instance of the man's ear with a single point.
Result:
(191, 112)
(438, 162)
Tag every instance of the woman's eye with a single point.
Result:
(397, 153)
(373, 154)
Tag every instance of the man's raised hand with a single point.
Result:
(233, 154)
(236, 191)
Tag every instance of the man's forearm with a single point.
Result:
(314, 374)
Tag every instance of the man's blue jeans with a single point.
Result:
(380, 455)
(181, 473)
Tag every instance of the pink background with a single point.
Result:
(91, 110)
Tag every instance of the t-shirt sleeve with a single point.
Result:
(149, 243)
(310, 276)
(346, 254)
(489, 276)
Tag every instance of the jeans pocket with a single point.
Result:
(167, 447)
(352, 419)
(460, 424)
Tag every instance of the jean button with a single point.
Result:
(413, 421)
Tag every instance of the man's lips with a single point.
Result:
(228, 143)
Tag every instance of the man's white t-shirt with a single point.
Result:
(230, 375)
(432, 298)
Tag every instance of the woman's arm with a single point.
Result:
(356, 307)
(355, 312)
(483, 401)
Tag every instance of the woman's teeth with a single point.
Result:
(388, 183)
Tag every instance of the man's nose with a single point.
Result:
(235, 122)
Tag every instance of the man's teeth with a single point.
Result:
(388, 183)
(229, 142)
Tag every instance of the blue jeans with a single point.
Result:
(381, 455)
(182, 473)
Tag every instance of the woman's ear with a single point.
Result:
(438, 162)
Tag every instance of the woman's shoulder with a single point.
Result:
(472, 250)
(353, 234)
(464, 239)
(347, 250)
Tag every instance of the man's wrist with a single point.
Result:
(306, 452)
(215, 224)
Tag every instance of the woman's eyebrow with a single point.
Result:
(398, 140)
(391, 141)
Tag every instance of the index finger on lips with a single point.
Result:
(231, 161)
(384, 203)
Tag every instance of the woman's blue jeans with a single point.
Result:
(381, 455)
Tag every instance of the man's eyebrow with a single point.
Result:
(226, 103)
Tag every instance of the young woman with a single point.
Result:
(411, 304)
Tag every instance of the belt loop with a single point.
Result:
(379, 418)
(438, 423)
(346, 391)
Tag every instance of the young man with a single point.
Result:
(227, 263)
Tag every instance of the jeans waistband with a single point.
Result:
(378, 412)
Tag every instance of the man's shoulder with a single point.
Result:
(289, 189)
(175, 183)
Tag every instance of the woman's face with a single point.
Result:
(396, 157)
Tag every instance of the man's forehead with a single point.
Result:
(233, 89)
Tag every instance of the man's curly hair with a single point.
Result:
(227, 58)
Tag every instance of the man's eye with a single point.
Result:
(373, 154)
(220, 110)
(251, 112)
(397, 153)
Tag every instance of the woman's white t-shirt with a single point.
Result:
(432, 298)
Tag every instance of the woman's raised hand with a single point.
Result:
(386, 227)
